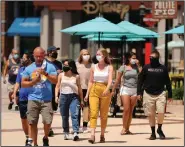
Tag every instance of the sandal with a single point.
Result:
(129, 133)
(123, 132)
(92, 139)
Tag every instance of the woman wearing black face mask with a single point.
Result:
(153, 81)
(70, 89)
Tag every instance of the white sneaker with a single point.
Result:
(75, 138)
(85, 130)
(81, 130)
(66, 136)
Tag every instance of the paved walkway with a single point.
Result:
(12, 134)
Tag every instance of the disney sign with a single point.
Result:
(93, 7)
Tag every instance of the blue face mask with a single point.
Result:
(16, 56)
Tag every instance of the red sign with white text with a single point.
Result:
(149, 20)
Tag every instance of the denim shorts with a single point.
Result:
(128, 91)
(23, 109)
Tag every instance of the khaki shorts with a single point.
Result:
(151, 103)
(10, 87)
(37, 107)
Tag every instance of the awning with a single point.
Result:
(25, 27)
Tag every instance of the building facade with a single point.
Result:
(55, 16)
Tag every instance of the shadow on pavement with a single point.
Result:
(172, 138)
(115, 141)
(139, 133)
(167, 138)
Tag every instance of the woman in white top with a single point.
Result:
(70, 91)
(99, 93)
(83, 67)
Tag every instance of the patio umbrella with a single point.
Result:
(115, 39)
(135, 39)
(172, 44)
(104, 39)
(178, 30)
(96, 26)
(137, 29)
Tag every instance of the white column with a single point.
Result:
(175, 23)
(16, 38)
(127, 19)
(17, 42)
(161, 40)
(44, 35)
(61, 20)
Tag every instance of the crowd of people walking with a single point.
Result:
(39, 84)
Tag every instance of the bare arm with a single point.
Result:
(52, 78)
(79, 88)
(27, 83)
(5, 70)
(16, 88)
(109, 78)
(91, 80)
(118, 80)
(57, 87)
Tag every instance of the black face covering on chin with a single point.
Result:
(66, 68)
(54, 55)
(154, 62)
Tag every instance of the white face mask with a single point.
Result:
(99, 58)
(133, 61)
(86, 57)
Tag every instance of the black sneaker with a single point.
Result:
(10, 105)
(28, 142)
(161, 134)
(45, 141)
(16, 108)
(152, 137)
(51, 133)
(76, 138)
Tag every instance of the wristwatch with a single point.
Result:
(46, 74)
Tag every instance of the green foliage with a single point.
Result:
(178, 93)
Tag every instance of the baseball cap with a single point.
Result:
(51, 48)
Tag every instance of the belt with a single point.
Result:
(45, 101)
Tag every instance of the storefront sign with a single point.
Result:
(29, 24)
(149, 20)
(164, 9)
(93, 7)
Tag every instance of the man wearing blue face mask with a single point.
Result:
(11, 67)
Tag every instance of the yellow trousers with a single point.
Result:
(99, 103)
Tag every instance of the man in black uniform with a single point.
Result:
(153, 80)
(51, 57)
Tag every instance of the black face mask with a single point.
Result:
(54, 55)
(154, 61)
(24, 62)
(66, 68)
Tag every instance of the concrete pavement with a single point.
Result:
(12, 134)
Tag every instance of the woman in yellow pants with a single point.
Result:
(99, 93)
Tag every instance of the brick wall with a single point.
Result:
(3, 7)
